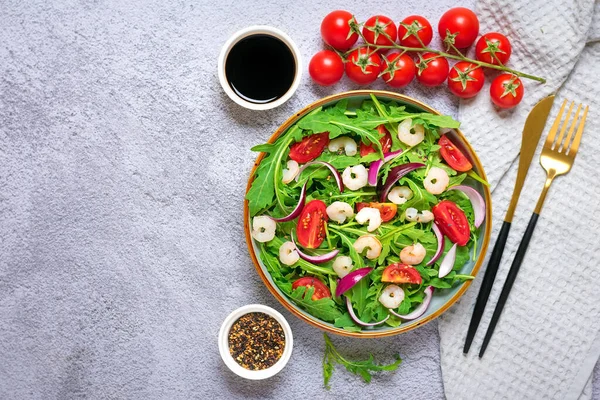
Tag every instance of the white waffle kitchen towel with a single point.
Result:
(547, 341)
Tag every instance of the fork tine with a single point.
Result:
(565, 145)
(554, 129)
(563, 127)
(573, 149)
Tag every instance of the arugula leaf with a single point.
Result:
(324, 308)
(346, 322)
(368, 136)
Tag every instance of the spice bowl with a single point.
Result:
(254, 314)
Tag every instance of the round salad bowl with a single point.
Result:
(442, 299)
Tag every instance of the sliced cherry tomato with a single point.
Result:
(311, 224)
(453, 156)
(401, 273)
(363, 66)
(465, 79)
(387, 210)
(326, 67)
(385, 141)
(506, 91)
(309, 148)
(493, 47)
(399, 70)
(414, 25)
(321, 291)
(335, 30)
(432, 69)
(361, 205)
(462, 24)
(452, 222)
(377, 29)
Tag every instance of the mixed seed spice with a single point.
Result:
(256, 341)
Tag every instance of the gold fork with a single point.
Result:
(558, 155)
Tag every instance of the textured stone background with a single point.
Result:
(122, 174)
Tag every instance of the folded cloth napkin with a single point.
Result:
(548, 338)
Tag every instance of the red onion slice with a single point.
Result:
(394, 176)
(357, 320)
(336, 174)
(320, 259)
(377, 164)
(476, 201)
(297, 210)
(420, 310)
(348, 282)
(440, 246)
(448, 262)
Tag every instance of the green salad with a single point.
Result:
(362, 213)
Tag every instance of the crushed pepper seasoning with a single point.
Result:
(256, 341)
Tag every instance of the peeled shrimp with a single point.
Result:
(263, 228)
(368, 242)
(288, 253)
(413, 215)
(410, 135)
(413, 254)
(436, 180)
(355, 177)
(400, 194)
(342, 266)
(372, 215)
(391, 296)
(345, 142)
(338, 211)
(290, 172)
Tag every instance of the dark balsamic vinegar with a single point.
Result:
(260, 68)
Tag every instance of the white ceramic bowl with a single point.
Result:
(256, 30)
(224, 342)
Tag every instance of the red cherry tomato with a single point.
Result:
(360, 205)
(377, 29)
(452, 222)
(506, 91)
(432, 70)
(363, 66)
(465, 79)
(401, 273)
(462, 23)
(493, 47)
(385, 141)
(386, 210)
(415, 24)
(309, 148)
(311, 224)
(326, 67)
(321, 291)
(335, 30)
(400, 70)
(453, 156)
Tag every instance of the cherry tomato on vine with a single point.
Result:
(452, 221)
(465, 79)
(377, 28)
(432, 70)
(493, 47)
(311, 224)
(414, 25)
(326, 67)
(453, 156)
(462, 24)
(363, 66)
(321, 290)
(399, 70)
(309, 148)
(335, 30)
(506, 91)
(385, 141)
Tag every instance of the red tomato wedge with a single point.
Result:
(309, 148)
(385, 141)
(453, 156)
(452, 222)
(401, 273)
(387, 210)
(321, 291)
(311, 224)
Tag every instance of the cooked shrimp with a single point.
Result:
(391, 296)
(413, 254)
(372, 215)
(288, 253)
(368, 242)
(400, 194)
(413, 215)
(342, 266)
(436, 180)
(338, 211)
(355, 177)
(345, 142)
(263, 228)
(410, 135)
(290, 172)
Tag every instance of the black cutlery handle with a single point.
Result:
(486, 285)
(510, 279)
